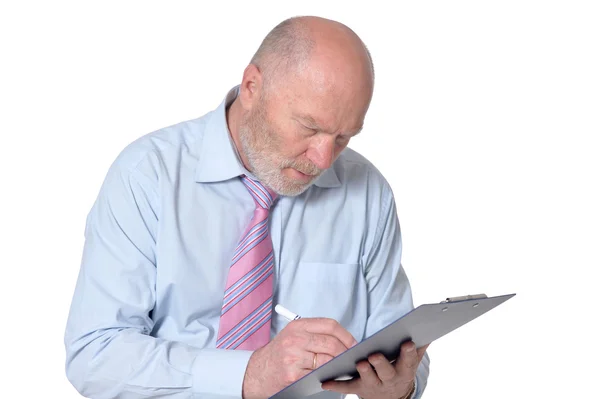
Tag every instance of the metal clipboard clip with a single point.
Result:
(464, 298)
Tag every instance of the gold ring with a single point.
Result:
(315, 361)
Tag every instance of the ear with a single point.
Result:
(251, 87)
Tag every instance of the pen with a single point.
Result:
(286, 313)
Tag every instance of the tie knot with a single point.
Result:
(263, 197)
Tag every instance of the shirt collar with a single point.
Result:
(218, 158)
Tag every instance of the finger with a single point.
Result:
(385, 371)
(319, 325)
(407, 363)
(368, 375)
(327, 344)
(352, 386)
(308, 361)
(421, 352)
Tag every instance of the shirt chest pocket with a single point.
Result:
(332, 290)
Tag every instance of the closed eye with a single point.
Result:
(342, 140)
(308, 129)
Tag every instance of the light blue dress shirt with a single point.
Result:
(158, 243)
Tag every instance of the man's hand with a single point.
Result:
(384, 380)
(303, 345)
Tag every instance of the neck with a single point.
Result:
(233, 116)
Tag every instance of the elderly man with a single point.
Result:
(201, 228)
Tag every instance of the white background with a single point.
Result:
(485, 120)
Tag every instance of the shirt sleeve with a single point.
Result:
(110, 352)
(390, 295)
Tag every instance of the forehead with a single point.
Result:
(326, 106)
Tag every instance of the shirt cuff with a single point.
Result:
(219, 373)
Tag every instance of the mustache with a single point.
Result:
(308, 168)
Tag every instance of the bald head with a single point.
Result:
(301, 43)
(302, 98)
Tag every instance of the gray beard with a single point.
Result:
(265, 166)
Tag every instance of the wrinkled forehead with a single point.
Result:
(333, 103)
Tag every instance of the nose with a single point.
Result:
(322, 152)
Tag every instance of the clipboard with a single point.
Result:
(422, 325)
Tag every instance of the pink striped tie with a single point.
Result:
(246, 313)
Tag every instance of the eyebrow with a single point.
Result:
(358, 131)
(313, 124)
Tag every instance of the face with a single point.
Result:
(290, 140)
